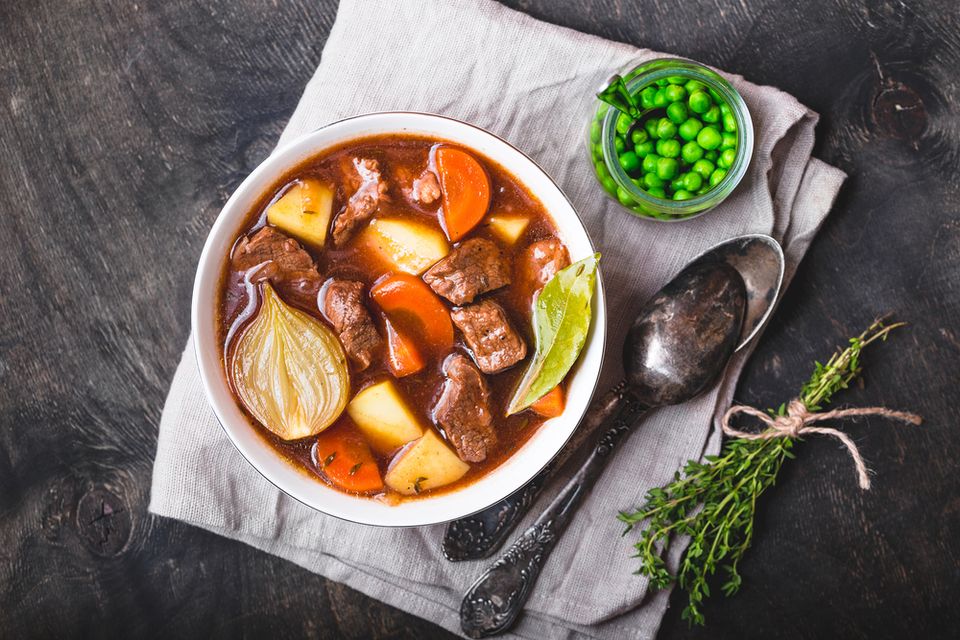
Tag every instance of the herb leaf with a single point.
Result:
(618, 97)
(561, 319)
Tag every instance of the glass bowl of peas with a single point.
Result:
(686, 152)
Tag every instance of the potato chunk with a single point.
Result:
(508, 227)
(383, 417)
(407, 245)
(304, 211)
(425, 464)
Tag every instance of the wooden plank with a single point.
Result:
(123, 128)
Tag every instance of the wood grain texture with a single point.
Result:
(123, 128)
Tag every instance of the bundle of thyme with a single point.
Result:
(714, 502)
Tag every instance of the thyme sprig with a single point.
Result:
(714, 502)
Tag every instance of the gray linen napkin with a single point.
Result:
(531, 83)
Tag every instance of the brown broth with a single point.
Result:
(401, 157)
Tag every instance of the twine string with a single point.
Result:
(798, 421)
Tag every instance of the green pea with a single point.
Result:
(649, 163)
(694, 85)
(709, 138)
(667, 168)
(624, 197)
(711, 156)
(691, 152)
(619, 145)
(689, 129)
(716, 96)
(699, 102)
(677, 111)
(668, 148)
(730, 123)
(646, 97)
(594, 131)
(660, 99)
(650, 126)
(712, 115)
(639, 136)
(666, 129)
(597, 151)
(601, 169)
(692, 181)
(676, 79)
(726, 159)
(629, 161)
(703, 189)
(703, 168)
(651, 180)
(662, 82)
(609, 185)
(676, 184)
(725, 108)
(644, 148)
(623, 124)
(675, 93)
(683, 194)
(657, 192)
(717, 176)
(728, 141)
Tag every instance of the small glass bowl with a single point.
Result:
(615, 181)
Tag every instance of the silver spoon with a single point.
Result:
(759, 260)
(681, 341)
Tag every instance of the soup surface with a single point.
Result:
(423, 259)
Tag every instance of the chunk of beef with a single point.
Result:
(495, 345)
(475, 267)
(342, 305)
(363, 203)
(543, 259)
(286, 265)
(463, 409)
(426, 188)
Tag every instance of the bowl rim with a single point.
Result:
(274, 167)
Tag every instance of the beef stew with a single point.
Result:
(422, 259)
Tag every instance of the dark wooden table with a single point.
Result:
(123, 128)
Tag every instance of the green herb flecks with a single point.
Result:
(561, 320)
(417, 484)
(714, 502)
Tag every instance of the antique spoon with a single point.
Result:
(681, 341)
(759, 260)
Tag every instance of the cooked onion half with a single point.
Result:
(290, 370)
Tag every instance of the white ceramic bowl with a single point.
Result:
(495, 485)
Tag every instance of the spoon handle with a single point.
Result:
(498, 596)
(477, 536)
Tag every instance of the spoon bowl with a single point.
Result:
(686, 334)
(759, 260)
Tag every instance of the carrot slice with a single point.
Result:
(551, 404)
(415, 310)
(344, 458)
(403, 357)
(466, 191)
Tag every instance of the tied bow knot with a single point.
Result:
(798, 421)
